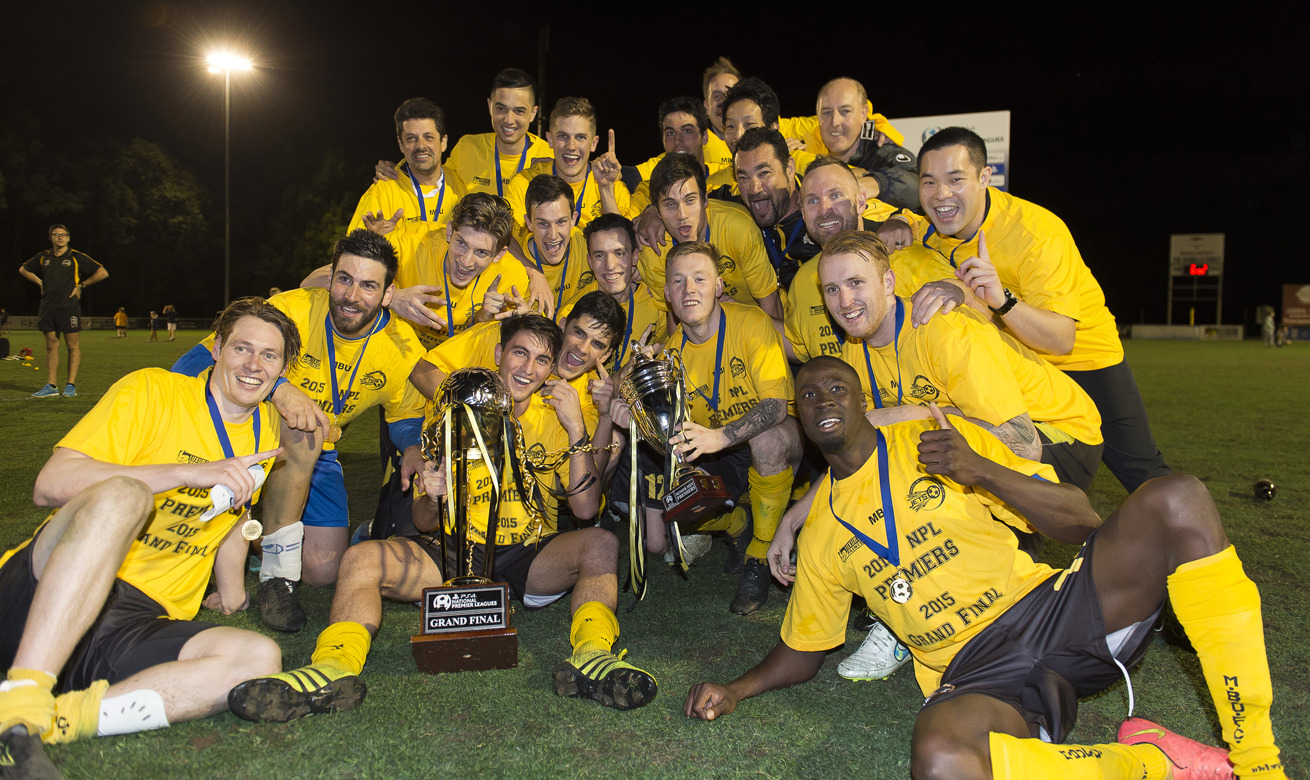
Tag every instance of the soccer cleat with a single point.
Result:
(752, 588)
(1191, 760)
(69, 390)
(309, 690)
(49, 391)
(737, 547)
(877, 657)
(863, 620)
(605, 677)
(279, 606)
(23, 758)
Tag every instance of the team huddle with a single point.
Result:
(904, 377)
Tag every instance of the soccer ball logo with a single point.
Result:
(901, 590)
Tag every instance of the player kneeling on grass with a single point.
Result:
(97, 605)
(540, 569)
(1004, 647)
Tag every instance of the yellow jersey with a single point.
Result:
(639, 311)
(462, 304)
(570, 274)
(476, 162)
(1037, 259)
(586, 195)
(945, 559)
(404, 193)
(748, 277)
(155, 417)
(742, 364)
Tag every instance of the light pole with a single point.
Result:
(227, 62)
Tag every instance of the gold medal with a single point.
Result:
(251, 529)
(333, 434)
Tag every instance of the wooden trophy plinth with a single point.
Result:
(691, 499)
(466, 628)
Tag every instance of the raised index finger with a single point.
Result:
(600, 371)
(611, 140)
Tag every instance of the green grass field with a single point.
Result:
(1230, 413)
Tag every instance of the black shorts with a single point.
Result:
(733, 465)
(1046, 652)
(131, 634)
(1075, 462)
(512, 561)
(64, 319)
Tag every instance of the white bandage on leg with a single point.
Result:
(141, 710)
(282, 553)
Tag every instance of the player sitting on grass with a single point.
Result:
(1003, 646)
(540, 568)
(98, 604)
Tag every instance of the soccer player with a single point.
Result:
(62, 274)
(454, 277)
(848, 131)
(1004, 646)
(766, 181)
(678, 186)
(738, 388)
(573, 139)
(540, 566)
(552, 242)
(487, 161)
(956, 360)
(357, 355)
(715, 83)
(832, 202)
(98, 605)
(1021, 260)
(422, 196)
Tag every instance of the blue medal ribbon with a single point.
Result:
(338, 398)
(450, 309)
(418, 193)
(523, 158)
(778, 252)
(564, 272)
(896, 345)
(577, 202)
(932, 231)
(892, 550)
(627, 332)
(221, 429)
(718, 360)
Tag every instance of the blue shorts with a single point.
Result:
(325, 506)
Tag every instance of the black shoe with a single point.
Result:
(309, 690)
(22, 758)
(863, 621)
(752, 589)
(279, 606)
(737, 546)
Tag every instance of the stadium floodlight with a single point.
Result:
(226, 62)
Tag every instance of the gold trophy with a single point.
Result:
(466, 620)
(655, 390)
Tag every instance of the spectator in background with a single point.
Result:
(120, 323)
(170, 315)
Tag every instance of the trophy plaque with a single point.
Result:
(466, 620)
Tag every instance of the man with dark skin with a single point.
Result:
(1010, 665)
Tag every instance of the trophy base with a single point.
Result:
(466, 651)
(694, 498)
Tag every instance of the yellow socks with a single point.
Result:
(26, 698)
(343, 646)
(1219, 607)
(1017, 758)
(77, 714)
(595, 627)
(769, 497)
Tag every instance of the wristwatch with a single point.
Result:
(1004, 308)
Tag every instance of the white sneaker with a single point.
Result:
(877, 658)
(693, 545)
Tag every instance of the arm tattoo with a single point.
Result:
(765, 414)
(1020, 435)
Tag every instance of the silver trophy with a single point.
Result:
(655, 390)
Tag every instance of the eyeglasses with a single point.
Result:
(59, 235)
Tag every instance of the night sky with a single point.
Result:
(1130, 125)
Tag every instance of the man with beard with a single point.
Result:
(423, 196)
(357, 355)
(1021, 261)
(97, 629)
(1003, 646)
(831, 202)
(539, 565)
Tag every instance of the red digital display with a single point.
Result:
(1198, 270)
